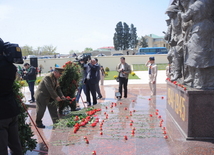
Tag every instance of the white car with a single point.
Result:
(31, 56)
(100, 55)
(117, 54)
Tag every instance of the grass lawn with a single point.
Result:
(111, 75)
(142, 67)
(38, 78)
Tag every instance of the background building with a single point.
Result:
(156, 41)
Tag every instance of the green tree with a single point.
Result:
(118, 36)
(143, 42)
(126, 37)
(71, 52)
(116, 42)
(48, 50)
(88, 49)
(37, 51)
(27, 50)
(133, 39)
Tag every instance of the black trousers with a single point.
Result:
(98, 90)
(123, 82)
(31, 87)
(91, 88)
(9, 136)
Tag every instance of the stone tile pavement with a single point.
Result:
(148, 138)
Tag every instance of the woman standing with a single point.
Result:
(102, 75)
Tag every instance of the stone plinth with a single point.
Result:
(192, 110)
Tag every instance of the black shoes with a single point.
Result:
(31, 101)
(41, 126)
(77, 109)
(99, 97)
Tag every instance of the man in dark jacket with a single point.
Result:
(9, 109)
(91, 81)
(30, 78)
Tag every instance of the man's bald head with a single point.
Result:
(93, 61)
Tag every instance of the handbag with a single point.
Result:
(117, 79)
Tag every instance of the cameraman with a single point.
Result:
(30, 72)
(9, 108)
(81, 86)
(91, 81)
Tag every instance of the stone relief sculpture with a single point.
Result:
(191, 36)
(174, 35)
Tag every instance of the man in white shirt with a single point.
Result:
(152, 69)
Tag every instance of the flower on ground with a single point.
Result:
(22, 83)
(115, 76)
(132, 73)
(38, 81)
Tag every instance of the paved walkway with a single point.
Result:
(148, 137)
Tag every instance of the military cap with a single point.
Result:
(59, 69)
(172, 8)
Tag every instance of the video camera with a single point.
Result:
(11, 52)
(83, 58)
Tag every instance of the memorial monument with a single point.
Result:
(190, 34)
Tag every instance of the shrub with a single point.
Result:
(107, 69)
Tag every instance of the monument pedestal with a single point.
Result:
(192, 111)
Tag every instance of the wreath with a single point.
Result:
(69, 83)
(25, 132)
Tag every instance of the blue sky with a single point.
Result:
(75, 25)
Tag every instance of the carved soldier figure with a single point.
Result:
(200, 45)
(186, 27)
(174, 36)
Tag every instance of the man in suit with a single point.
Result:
(124, 70)
(30, 72)
(152, 69)
(47, 91)
(91, 81)
(98, 80)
